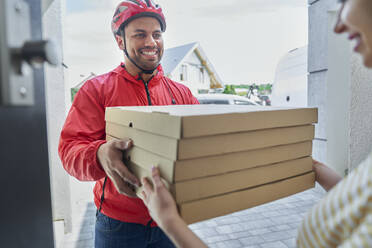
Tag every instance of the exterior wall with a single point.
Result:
(317, 69)
(317, 97)
(361, 112)
(55, 102)
(341, 88)
(338, 99)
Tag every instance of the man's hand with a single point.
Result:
(159, 201)
(110, 156)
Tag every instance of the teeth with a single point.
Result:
(149, 53)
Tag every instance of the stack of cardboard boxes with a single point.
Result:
(218, 159)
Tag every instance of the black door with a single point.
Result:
(25, 200)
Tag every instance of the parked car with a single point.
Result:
(224, 99)
(265, 100)
(215, 91)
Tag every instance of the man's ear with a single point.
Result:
(120, 41)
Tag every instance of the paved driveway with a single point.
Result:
(272, 225)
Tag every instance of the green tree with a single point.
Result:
(229, 89)
(269, 88)
(73, 93)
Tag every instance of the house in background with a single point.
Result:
(76, 88)
(189, 65)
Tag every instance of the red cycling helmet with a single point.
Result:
(129, 10)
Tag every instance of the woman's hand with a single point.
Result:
(159, 201)
(163, 210)
(325, 176)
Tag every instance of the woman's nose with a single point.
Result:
(340, 26)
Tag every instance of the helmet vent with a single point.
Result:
(117, 19)
(121, 9)
(157, 6)
(135, 1)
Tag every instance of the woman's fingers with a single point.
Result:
(156, 178)
(316, 161)
(147, 188)
(144, 197)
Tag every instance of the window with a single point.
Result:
(208, 101)
(201, 75)
(183, 74)
(238, 102)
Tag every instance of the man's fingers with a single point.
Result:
(126, 175)
(122, 186)
(122, 144)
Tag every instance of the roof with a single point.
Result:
(92, 75)
(174, 56)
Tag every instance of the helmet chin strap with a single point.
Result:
(144, 71)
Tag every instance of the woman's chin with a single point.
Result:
(367, 60)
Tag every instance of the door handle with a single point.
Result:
(35, 53)
(18, 52)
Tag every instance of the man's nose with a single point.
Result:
(150, 41)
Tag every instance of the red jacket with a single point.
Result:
(84, 132)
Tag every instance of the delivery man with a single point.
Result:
(122, 218)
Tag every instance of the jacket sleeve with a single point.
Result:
(82, 134)
(191, 97)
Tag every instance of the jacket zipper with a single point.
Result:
(147, 90)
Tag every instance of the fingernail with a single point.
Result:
(153, 167)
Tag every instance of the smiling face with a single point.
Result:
(144, 43)
(355, 18)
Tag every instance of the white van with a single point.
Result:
(290, 83)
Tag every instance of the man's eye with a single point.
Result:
(157, 36)
(139, 35)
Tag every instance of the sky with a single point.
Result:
(243, 39)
